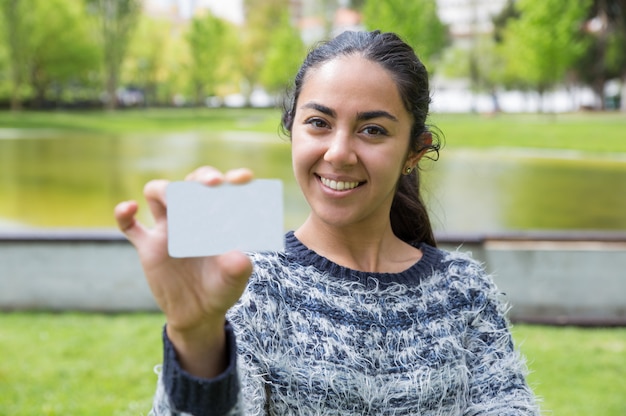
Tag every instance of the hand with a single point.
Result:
(194, 293)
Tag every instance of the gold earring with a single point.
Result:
(408, 170)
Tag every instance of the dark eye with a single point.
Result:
(317, 122)
(374, 131)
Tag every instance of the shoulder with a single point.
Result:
(463, 275)
(453, 263)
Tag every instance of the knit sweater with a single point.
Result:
(311, 337)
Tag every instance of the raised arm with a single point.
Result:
(193, 293)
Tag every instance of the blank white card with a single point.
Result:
(209, 220)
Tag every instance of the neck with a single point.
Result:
(359, 248)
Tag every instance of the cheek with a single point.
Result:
(304, 152)
(388, 165)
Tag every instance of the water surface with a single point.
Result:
(58, 179)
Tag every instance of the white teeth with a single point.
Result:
(339, 185)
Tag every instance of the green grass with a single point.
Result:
(89, 364)
(146, 120)
(589, 132)
(75, 364)
(593, 132)
(576, 371)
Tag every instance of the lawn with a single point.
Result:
(146, 120)
(593, 132)
(86, 364)
(576, 371)
(589, 132)
(75, 364)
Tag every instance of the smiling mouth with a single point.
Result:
(339, 185)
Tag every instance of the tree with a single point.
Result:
(544, 42)
(416, 21)
(16, 27)
(605, 56)
(210, 39)
(261, 20)
(148, 51)
(284, 56)
(117, 19)
(61, 49)
(481, 64)
(49, 47)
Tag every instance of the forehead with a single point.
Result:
(352, 81)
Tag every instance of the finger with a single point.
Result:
(207, 175)
(236, 268)
(239, 176)
(154, 192)
(125, 217)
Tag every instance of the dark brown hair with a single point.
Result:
(409, 217)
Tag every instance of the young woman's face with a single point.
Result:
(350, 141)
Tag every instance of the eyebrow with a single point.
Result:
(362, 116)
(321, 108)
(368, 115)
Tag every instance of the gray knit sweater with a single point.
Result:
(313, 337)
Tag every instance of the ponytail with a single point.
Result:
(409, 218)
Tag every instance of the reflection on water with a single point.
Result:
(75, 181)
(500, 190)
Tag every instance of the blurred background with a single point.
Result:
(99, 96)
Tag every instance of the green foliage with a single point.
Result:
(51, 46)
(416, 21)
(482, 64)
(284, 56)
(17, 24)
(605, 55)
(544, 42)
(616, 54)
(116, 20)
(262, 19)
(62, 48)
(146, 63)
(210, 42)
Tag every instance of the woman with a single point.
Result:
(360, 314)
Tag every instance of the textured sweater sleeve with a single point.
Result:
(497, 370)
(180, 393)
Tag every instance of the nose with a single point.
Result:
(340, 151)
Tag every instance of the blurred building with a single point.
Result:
(319, 19)
(183, 10)
(468, 18)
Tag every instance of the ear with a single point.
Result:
(425, 140)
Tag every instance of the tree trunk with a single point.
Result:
(623, 95)
(111, 88)
(38, 86)
(199, 94)
(598, 92)
(16, 103)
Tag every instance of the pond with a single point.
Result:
(65, 180)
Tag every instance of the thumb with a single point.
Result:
(236, 268)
